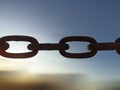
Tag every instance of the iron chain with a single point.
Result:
(62, 46)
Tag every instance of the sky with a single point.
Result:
(51, 20)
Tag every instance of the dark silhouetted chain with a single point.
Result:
(62, 46)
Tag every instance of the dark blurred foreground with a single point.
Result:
(11, 80)
(21, 81)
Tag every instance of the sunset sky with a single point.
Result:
(51, 20)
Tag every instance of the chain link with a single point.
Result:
(62, 46)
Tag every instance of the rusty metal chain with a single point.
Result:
(62, 46)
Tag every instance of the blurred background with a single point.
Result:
(49, 21)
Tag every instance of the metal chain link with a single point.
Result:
(62, 46)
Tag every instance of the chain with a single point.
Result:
(62, 46)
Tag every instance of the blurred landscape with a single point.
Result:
(14, 80)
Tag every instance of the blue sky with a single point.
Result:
(51, 20)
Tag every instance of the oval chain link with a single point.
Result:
(4, 40)
(62, 46)
(77, 55)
